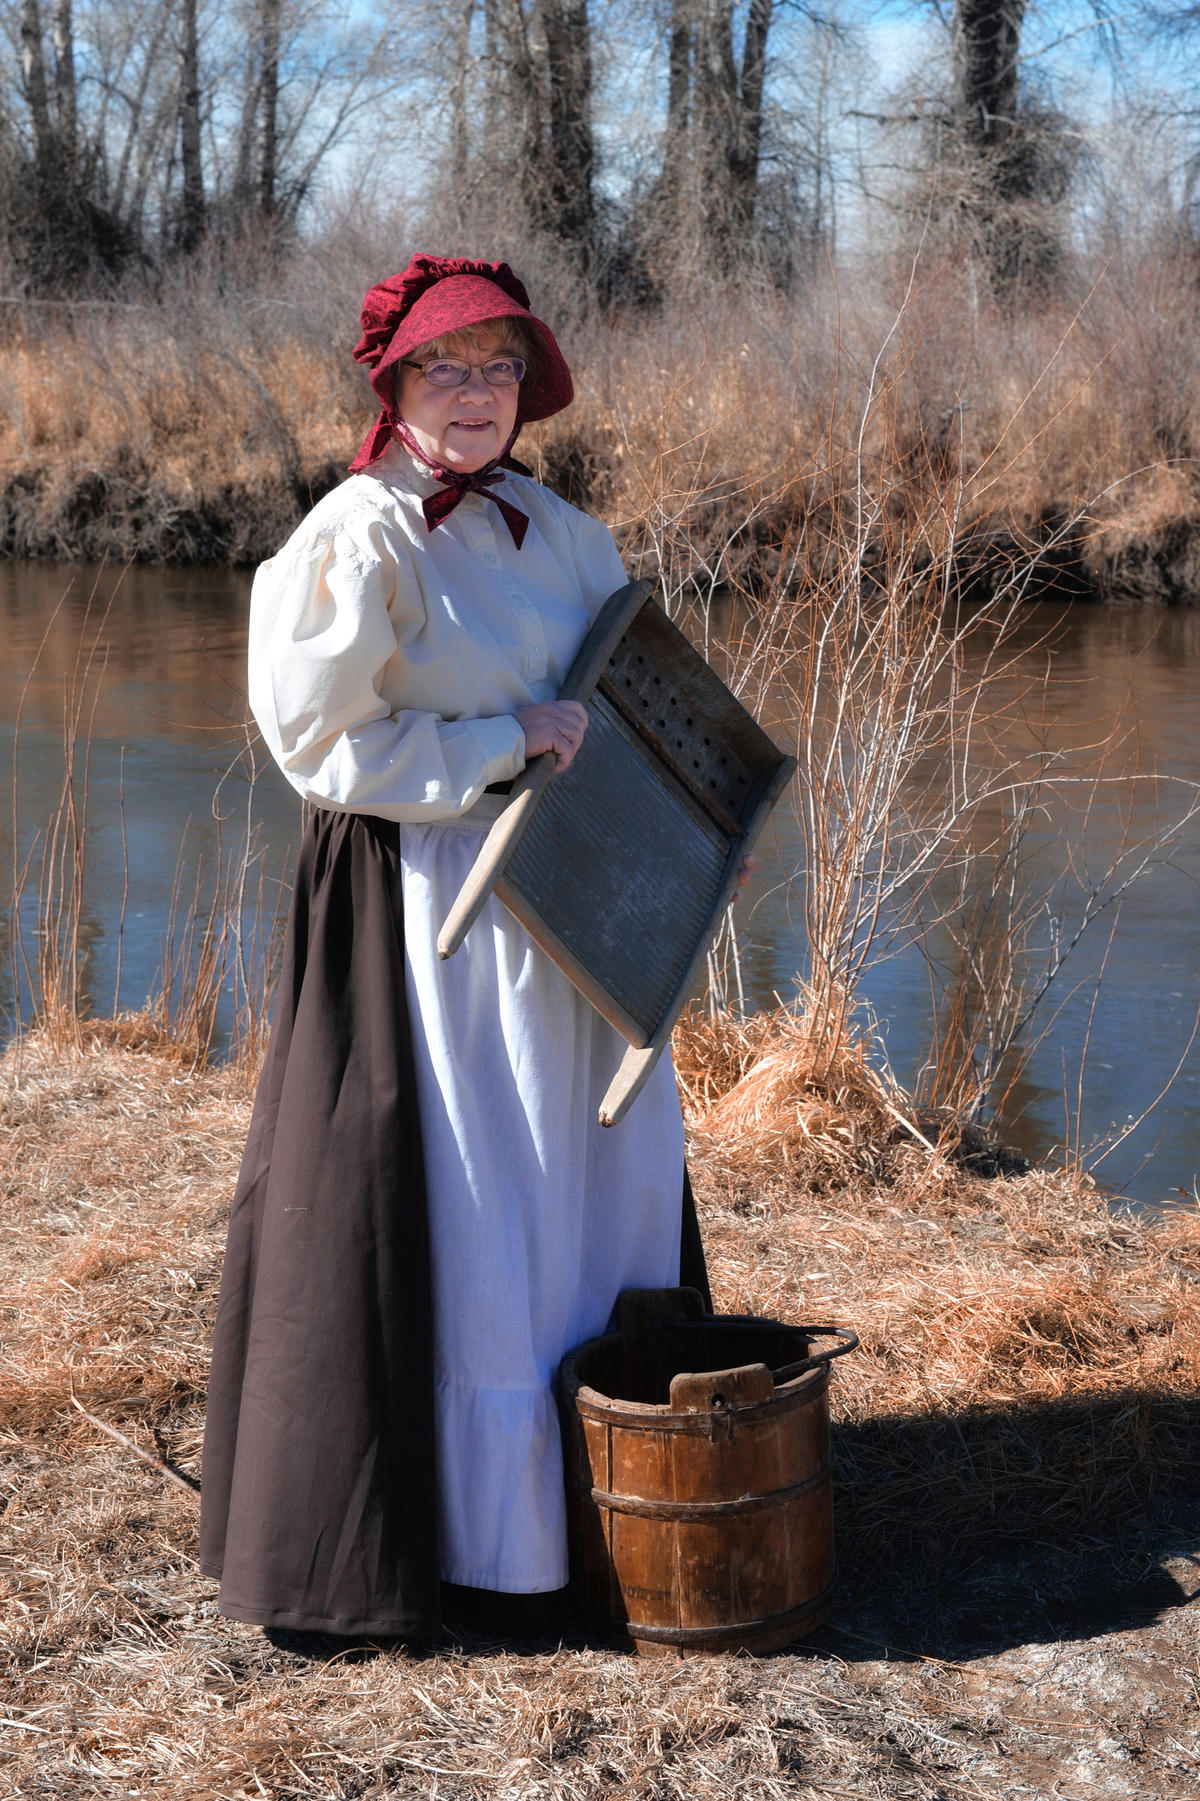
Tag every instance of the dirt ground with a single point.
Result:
(1017, 1498)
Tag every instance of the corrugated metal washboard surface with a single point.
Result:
(621, 867)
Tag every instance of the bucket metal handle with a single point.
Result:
(847, 1340)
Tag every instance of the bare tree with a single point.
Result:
(268, 23)
(33, 76)
(191, 212)
(65, 124)
(986, 39)
(55, 228)
(289, 85)
(705, 198)
(568, 201)
(459, 85)
(536, 80)
(998, 159)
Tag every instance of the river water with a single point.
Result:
(173, 783)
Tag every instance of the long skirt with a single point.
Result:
(329, 1423)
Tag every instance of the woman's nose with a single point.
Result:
(475, 385)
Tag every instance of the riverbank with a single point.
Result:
(744, 438)
(1018, 1442)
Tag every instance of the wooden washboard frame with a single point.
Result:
(621, 868)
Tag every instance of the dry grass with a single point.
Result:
(967, 1291)
(197, 426)
(180, 439)
(768, 1096)
(1028, 1378)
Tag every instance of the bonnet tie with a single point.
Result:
(439, 506)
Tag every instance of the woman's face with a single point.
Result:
(464, 427)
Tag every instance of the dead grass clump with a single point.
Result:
(146, 1030)
(176, 439)
(114, 1172)
(1179, 1232)
(713, 1050)
(771, 1093)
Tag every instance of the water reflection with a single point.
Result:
(166, 732)
(149, 664)
(1117, 1019)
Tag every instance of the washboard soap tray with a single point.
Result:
(621, 867)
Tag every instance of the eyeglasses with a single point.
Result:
(449, 372)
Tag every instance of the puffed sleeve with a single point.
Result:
(326, 617)
(581, 544)
(598, 560)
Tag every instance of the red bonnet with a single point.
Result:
(436, 295)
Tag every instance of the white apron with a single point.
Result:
(539, 1216)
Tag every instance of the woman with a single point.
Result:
(428, 1214)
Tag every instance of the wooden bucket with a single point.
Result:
(699, 1474)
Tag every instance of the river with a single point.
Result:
(171, 784)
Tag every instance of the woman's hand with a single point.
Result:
(748, 866)
(556, 725)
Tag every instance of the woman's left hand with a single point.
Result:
(556, 725)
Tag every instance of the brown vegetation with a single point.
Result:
(199, 424)
(1017, 1438)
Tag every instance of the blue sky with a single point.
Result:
(886, 43)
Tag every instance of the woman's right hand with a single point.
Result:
(556, 725)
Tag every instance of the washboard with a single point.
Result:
(621, 867)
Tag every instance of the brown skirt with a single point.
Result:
(319, 1508)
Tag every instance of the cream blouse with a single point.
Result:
(387, 661)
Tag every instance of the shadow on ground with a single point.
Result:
(965, 1533)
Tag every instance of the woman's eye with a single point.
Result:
(447, 375)
(504, 369)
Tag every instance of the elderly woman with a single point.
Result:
(428, 1214)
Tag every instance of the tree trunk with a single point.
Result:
(681, 43)
(33, 76)
(750, 109)
(515, 104)
(569, 209)
(66, 129)
(679, 68)
(524, 103)
(714, 118)
(268, 106)
(116, 196)
(192, 206)
(702, 205)
(986, 44)
(495, 86)
(999, 151)
(460, 136)
(243, 175)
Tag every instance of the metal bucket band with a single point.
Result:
(717, 1635)
(706, 1510)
